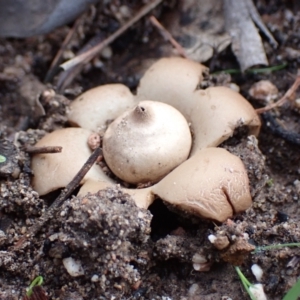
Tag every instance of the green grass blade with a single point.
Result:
(245, 282)
(253, 71)
(294, 292)
(267, 69)
(272, 247)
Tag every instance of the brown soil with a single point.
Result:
(131, 253)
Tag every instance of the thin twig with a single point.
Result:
(87, 56)
(66, 77)
(167, 35)
(66, 192)
(54, 65)
(44, 149)
(285, 97)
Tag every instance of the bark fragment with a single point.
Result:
(246, 41)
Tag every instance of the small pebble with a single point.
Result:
(95, 278)
(264, 90)
(73, 267)
(199, 258)
(257, 271)
(258, 291)
(212, 238)
(193, 290)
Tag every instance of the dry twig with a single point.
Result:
(285, 97)
(66, 77)
(55, 63)
(45, 149)
(246, 41)
(167, 35)
(89, 55)
(259, 23)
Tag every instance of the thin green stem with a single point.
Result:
(268, 69)
(37, 281)
(242, 276)
(253, 71)
(264, 248)
(246, 283)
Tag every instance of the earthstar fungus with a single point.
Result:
(201, 179)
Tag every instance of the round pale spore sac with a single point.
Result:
(147, 142)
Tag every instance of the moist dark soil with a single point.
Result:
(124, 252)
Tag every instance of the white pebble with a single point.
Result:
(199, 258)
(234, 87)
(53, 237)
(257, 271)
(73, 266)
(95, 278)
(246, 236)
(193, 290)
(212, 238)
(107, 52)
(258, 291)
